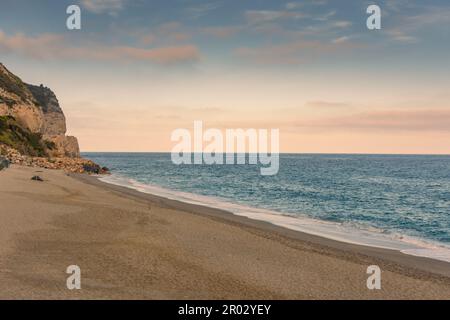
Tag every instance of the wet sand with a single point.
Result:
(131, 245)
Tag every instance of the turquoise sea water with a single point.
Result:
(403, 197)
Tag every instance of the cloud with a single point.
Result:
(222, 32)
(342, 24)
(429, 17)
(165, 55)
(198, 11)
(167, 33)
(319, 2)
(262, 16)
(36, 47)
(397, 5)
(408, 27)
(213, 110)
(176, 32)
(296, 5)
(401, 36)
(325, 104)
(341, 40)
(51, 46)
(148, 39)
(103, 6)
(290, 53)
(326, 16)
(293, 5)
(393, 120)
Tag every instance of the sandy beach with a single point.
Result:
(131, 245)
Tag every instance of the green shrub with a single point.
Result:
(50, 145)
(13, 84)
(21, 139)
(7, 101)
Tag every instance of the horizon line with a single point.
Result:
(294, 153)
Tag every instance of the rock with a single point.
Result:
(4, 163)
(92, 168)
(54, 119)
(72, 165)
(65, 146)
(37, 178)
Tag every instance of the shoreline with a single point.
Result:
(132, 245)
(411, 261)
(331, 230)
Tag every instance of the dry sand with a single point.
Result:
(136, 246)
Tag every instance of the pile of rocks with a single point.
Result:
(74, 165)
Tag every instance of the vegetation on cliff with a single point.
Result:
(21, 139)
(11, 83)
(44, 98)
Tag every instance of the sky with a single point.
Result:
(140, 69)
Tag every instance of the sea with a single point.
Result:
(399, 202)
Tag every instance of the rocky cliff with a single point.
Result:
(35, 109)
(54, 125)
(33, 129)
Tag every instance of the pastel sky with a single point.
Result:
(138, 69)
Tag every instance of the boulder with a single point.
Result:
(4, 163)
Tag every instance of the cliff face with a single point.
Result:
(17, 101)
(54, 119)
(54, 125)
(36, 110)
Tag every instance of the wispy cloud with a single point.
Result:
(36, 47)
(342, 39)
(201, 10)
(293, 5)
(401, 36)
(319, 2)
(295, 52)
(326, 16)
(393, 120)
(167, 33)
(52, 46)
(409, 27)
(342, 24)
(326, 104)
(394, 6)
(296, 4)
(103, 6)
(262, 16)
(222, 32)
